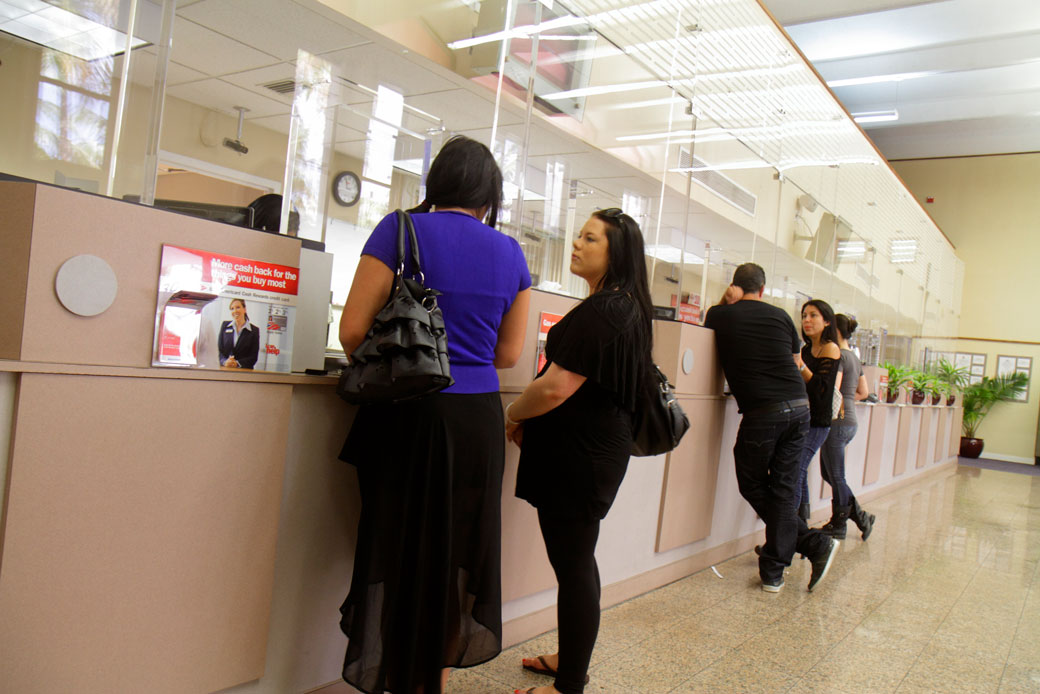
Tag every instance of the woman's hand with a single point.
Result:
(231, 363)
(515, 432)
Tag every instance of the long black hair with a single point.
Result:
(830, 328)
(626, 267)
(464, 174)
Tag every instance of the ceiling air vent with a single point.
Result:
(717, 183)
(281, 86)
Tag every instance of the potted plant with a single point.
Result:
(978, 399)
(938, 389)
(897, 378)
(920, 382)
(954, 377)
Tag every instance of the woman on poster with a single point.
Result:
(239, 340)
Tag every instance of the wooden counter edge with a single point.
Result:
(183, 374)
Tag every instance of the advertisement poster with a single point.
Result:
(545, 321)
(218, 311)
(689, 308)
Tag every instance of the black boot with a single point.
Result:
(803, 512)
(863, 520)
(836, 526)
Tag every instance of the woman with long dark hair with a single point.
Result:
(843, 430)
(426, 589)
(573, 424)
(820, 369)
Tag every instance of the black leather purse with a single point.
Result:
(405, 353)
(659, 421)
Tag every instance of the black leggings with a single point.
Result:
(571, 546)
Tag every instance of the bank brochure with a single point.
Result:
(217, 311)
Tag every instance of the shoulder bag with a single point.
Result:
(659, 422)
(405, 353)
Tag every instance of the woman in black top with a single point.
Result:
(832, 455)
(574, 427)
(820, 370)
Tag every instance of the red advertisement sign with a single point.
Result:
(224, 312)
(545, 321)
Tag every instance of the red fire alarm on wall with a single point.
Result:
(929, 199)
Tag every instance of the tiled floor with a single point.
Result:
(944, 597)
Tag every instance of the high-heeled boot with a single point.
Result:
(835, 527)
(863, 520)
(803, 512)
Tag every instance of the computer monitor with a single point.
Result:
(228, 214)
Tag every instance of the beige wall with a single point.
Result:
(989, 208)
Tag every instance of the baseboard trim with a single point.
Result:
(1009, 458)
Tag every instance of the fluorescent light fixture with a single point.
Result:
(670, 254)
(520, 32)
(876, 116)
(782, 166)
(903, 250)
(605, 89)
(61, 30)
(851, 250)
(878, 79)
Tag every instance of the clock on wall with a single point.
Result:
(346, 188)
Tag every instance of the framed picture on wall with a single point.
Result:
(972, 362)
(1007, 365)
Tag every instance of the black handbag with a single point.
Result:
(405, 353)
(659, 422)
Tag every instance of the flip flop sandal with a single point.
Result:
(545, 669)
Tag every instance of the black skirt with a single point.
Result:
(426, 589)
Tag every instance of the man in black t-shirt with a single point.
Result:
(758, 347)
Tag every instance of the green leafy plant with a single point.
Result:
(897, 378)
(919, 380)
(956, 377)
(979, 398)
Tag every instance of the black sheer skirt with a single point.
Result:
(426, 589)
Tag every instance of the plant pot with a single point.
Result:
(950, 399)
(971, 448)
(917, 397)
(890, 396)
(936, 397)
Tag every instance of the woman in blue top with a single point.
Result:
(426, 589)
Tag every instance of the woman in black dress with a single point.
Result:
(574, 427)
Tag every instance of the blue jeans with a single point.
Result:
(766, 457)
(813, 440)
(832, 461)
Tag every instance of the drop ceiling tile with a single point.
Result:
(142, 70)
(461, 109)
(222, 96)
(277, 27)
(207, 51)
(372, 65)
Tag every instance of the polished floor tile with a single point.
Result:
(944, 597)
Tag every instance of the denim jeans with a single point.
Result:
(767, 454)
(832, 461)
(813, 440)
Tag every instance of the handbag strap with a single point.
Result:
(404, 222)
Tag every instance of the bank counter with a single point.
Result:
(176, 530)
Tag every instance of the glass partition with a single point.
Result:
(697, 118)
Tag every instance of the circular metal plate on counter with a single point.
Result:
(86, 285)
(687, 361)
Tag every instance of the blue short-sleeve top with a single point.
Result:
(478, 271)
